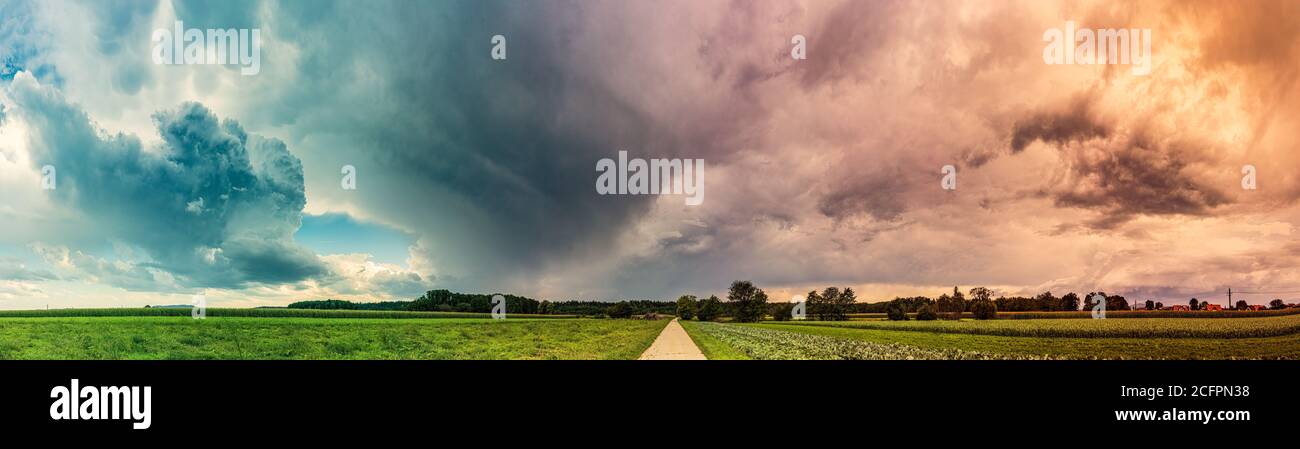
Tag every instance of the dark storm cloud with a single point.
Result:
(492, 161)
(1122, 175)
(881, 196)
(1076, 123)
(213, 205)
(1137, 178)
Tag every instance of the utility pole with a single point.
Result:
(1229, 298)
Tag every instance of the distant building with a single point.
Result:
(1213, 307)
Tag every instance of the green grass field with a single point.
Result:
(165, 337)
(1274, 337)
(170, 333)
(260, 313)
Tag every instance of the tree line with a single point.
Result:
(448, 301)
(746, 302)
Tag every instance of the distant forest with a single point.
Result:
(448, 301)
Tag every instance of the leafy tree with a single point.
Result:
(1070, 301)
(544, 307)
(941, 304)
(686, 307)
(1276, 304)
(1089, 302)
(844, 302)
(814, 305)
(781, 311)
(1159, 305)
(620, 309)
(1151, 305)
(1195, 305)
(1116, 302)
(895, 311)
(823, 309)
(1044, 301)
(926, 313)
(1241, 305)
(833, 304)
(951, 307)
(750, 302)
(983, 308)
(709, 309)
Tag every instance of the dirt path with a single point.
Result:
(673, 344)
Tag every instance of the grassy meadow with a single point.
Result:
(275, 333)
(242, 337)
(256, 313)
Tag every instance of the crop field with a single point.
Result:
(1129, 339)
(1275, 337)
(1281, 347)
(217, 337)
(772, 344)
(1113, 314)
(1272, 326)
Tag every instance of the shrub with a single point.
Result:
(709, 309)
(686, 306)
(984, 309)
(781, 311)
(749, 302)
(926, 313)
(895, 312)
(620, 309)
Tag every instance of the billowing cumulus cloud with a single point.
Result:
(212, 204)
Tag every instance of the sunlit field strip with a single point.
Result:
(1114, 328)
(771, 344)
(1084, 314)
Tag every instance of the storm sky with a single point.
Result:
(478, 175)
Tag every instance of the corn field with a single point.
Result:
(1113, 328)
